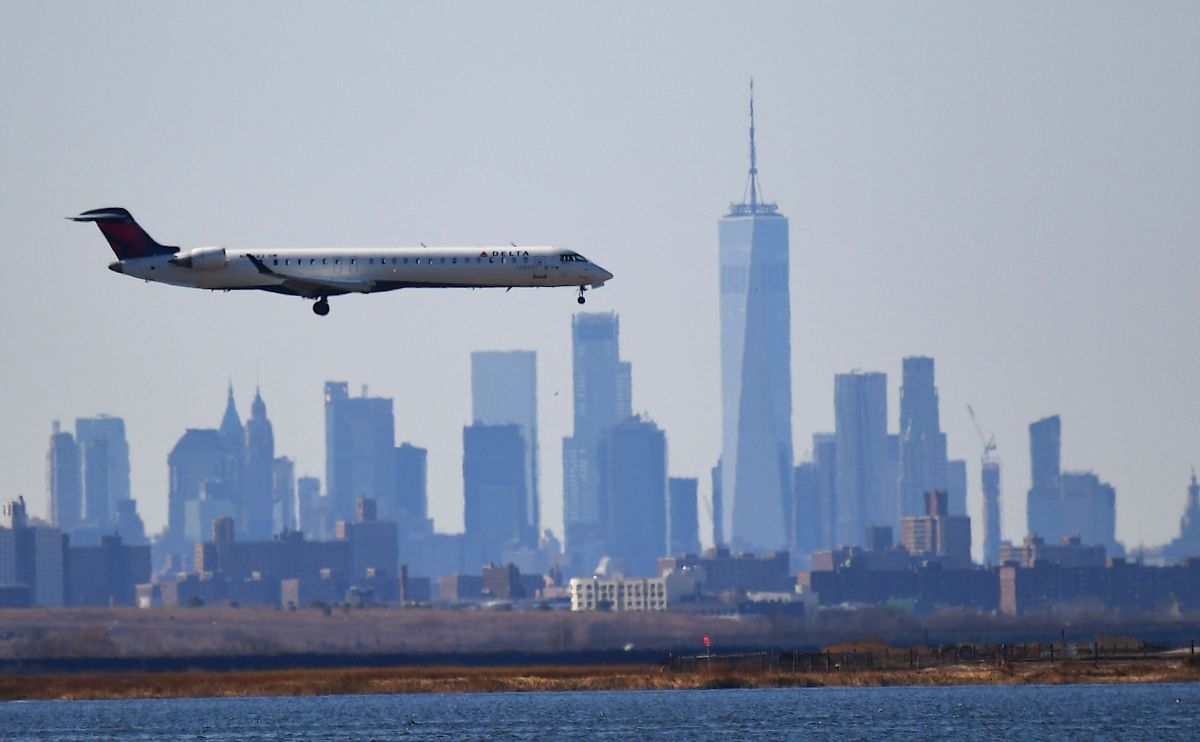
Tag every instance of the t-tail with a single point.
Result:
(125, 236)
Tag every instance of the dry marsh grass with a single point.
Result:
(195, 632)
(561, 678)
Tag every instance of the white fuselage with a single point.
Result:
(330, 271)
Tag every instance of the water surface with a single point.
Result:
(1149, 712)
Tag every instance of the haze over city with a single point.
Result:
(1008, 189)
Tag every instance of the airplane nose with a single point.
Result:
(605, 275)
(116, 267)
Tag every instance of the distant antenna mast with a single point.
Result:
(754, 204)
(753, 156)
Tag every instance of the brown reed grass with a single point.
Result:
(561, 678)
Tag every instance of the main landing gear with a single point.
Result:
(321, 308)
(581, 300)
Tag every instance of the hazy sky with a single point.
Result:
(1011, 188)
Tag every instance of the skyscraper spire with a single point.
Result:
(753, 204)
(258, 408)
(753, 156)
(231, 423)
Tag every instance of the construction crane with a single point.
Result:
(988, 441)
(990, 478)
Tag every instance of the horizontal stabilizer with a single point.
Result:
(106, 216)
(125, 236)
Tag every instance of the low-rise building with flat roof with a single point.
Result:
(634, 593)
(1121, 587)
(740, 573)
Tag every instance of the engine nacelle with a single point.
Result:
(202, 258)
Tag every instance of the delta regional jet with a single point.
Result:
(319, 273)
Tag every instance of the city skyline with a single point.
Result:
(867, 481)
(958, 187)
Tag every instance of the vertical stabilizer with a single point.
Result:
(125, 236)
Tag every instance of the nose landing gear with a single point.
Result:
(581, 300)
(321, 308)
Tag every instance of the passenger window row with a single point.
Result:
(400, 261)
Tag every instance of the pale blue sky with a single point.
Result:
(1011, 188)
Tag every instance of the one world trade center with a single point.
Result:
(756, 352)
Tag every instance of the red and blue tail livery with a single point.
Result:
(125, 236)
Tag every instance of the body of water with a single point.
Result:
(1149, 712)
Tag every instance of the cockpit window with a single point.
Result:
(572, 257)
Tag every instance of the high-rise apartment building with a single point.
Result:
(956, 486)
(891, 480)
(106, 574)
(129, 525)
(990, 474)
(860, 411)
(504, 392)
(372, 543)
(1089, 509)
(412, 499)
(603, 397)
(315, 517)
(756, 385)
(64, 487)
(494, 491)
(283, 497)
(718, 506)
(104, 454)
(937, 533)
(633, 473)
(31, 556)
(1044, 506)
(806, 512)
(825, 464)
(360, 458)
(922, 445)
(1063, 505)
(683, 516)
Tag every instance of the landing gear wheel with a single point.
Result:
(581, 300)
(321, 308)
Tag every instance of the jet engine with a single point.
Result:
(202, 258)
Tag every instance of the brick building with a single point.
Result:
(1121, 586)
(925, 586)
(741, 573)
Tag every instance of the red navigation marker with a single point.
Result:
(707, 642)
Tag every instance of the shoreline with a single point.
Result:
(565, 678)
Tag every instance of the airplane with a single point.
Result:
(319, 273)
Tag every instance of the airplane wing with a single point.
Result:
(313, 288)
